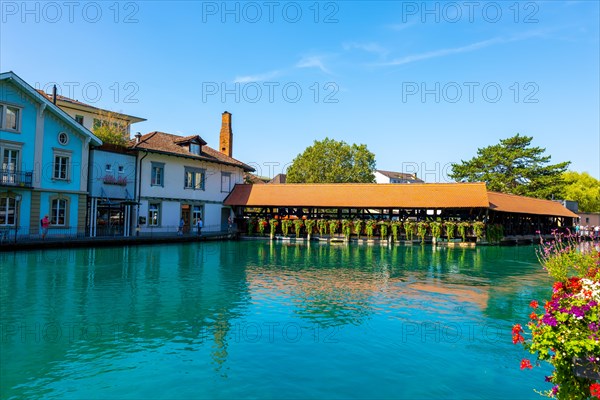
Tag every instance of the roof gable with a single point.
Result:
(504, 202)
(63, 116)
(399, 175)
(79, 105)
(169, 144)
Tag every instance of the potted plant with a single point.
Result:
(383, 229)
(322, 226)
(251, 226)
(262, 225)
(436, 230)
(396, 226)
(479, 229)
(285, 226)
(310, 226)
(370, 228)
(347, 229)
(462, 229)
(358, 224)
(422, 230)
(298, 224)
(409, 229)
(333, 226)
(450, 229)
(273, 223)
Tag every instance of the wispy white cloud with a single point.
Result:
(257, 78)
(402, 26)
(313, 62)
(458, 50)
(367, 47)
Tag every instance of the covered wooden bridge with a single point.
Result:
(518, 215)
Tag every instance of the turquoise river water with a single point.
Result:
(253, 319)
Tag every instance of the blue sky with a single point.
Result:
(422, 84)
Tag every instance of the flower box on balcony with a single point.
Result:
(111, 180)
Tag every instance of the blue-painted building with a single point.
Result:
(112, 189)
(44, 163)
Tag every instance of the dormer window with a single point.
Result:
(195, 148)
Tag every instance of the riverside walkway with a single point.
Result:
(9, 244)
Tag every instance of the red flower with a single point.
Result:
(525, 363)
(517, 329)
(557, 287)
(595, 390)
(534, 304)
(533, 316)
(517, 338)
(574, 284)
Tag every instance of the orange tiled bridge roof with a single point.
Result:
(407, 196)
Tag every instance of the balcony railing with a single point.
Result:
(9, 177)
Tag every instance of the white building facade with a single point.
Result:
(181, 178)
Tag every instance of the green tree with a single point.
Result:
(584, 189)
(514, 167)
(330, 161)
(110, 129)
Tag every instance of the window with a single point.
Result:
(153, 214)
(158, 172)
(10, 118)
(194, 178)
(108, 168)
(195, 148)
(196, 213)
(97, 123)
(121, 169)
(63, 138)
(79, 119)
(58, 212)
(225, 182)
(7, 211)
(61, 166)
(10, 161)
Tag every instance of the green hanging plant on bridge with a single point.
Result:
(285, 226)
(396, 226)
(422, 227)
(298, 224)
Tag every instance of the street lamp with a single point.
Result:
(17, 201)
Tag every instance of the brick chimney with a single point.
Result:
(226, 137)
